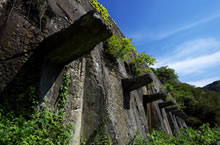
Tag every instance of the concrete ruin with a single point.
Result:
(70, 41)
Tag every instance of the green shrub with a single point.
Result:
(140, 60)
(63, 92)
(103, 140)
(42, 127)
(188, 136)
(137, 140)
(101, 10)
(119, 47)
(122, 48)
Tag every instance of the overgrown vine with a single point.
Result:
(63, 92)
(122, 48)
(101, 10)
(42, 127)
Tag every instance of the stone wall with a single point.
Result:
(96, 98)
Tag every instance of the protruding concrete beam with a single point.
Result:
(154, 97)
(180, 113)
(169, 109)
(76, 40)
(168, 103)
(131, 84)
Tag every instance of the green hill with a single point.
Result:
(215, 86)
(201, 105)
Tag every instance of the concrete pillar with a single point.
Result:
(169, 109)
(168, 103)
(154, 97)
(130, 84)
(76, 40)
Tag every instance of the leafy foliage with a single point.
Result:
(166, 74)
(188, 136)
(215, 86)
(201, 106)
(103, 140)
(42, 126)
(120, 47)
(137, 140)
(123, 48)
(64, 91)
(198, 103)
(101, 10)
(140, 60)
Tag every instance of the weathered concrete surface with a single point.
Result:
(173, 122)
(130, 84)
(169, 109)
(21, 34)
(96, 90)
(154, 97)
(104, 95)
(179, 113)
(77, 40)
(166, 104)
(74, 106)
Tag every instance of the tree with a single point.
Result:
(166, 74)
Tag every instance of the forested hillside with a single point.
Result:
(215, 86)
(202, 106)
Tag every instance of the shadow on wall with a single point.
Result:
(47, 61)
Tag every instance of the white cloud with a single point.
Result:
(193, 56)
(197, 64)
(202, 83)
(203, 46)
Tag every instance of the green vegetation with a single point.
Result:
(122, 48)
(188, 136)
(200, 105)
(64, 91)
(166, 74)
(101, 10)
(42, 126)
(215, 86)
(79, 1)
(140, 60)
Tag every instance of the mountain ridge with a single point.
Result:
(214, 86)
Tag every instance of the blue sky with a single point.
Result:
(183, 34)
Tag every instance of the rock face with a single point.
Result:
(70, 41)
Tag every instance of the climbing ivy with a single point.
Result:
(63, 92)
(42, 127)
(101, 10)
